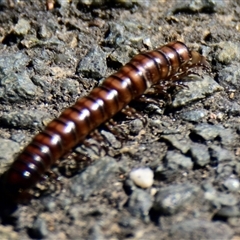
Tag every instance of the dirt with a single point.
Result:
(191, 141)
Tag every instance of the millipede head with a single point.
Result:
(197, 60)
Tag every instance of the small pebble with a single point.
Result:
(39, 228)
(147, 42)
(22, 27)
(142, 177)
(232, 184)
(139, 204)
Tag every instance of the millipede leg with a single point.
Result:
(133, 113)
(116, 131)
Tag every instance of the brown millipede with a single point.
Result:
(161, 67)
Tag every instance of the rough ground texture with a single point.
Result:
(48, 59)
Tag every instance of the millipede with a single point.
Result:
(160, 68)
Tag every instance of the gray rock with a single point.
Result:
(220, 154)
(128, 222)
(135, 126)
(8, 149)
(205, 50)
(12, 63)
(230, 75)
(228, 212)
(225, 199)
(22, 27)
(210, 132)
(27, 119)
(237, 168)
(228, 136)
(133, 35)
(49, 204)
(196, 229)
(167, 129)
(139, 204)
(170, 200)
(232, 184)
(116, 35)
(93, 178)
(123, 34)
(42, 83)
(41, 71)
(197, 6)
(44, 32)
(194, 115)
(15, 87)
(208, 187)
(95, 233)
(65, 201)
(219, 199)
(225, 169)
(200, 155)
(229, 52)
(227, 106)
(69, 86)
(31, 41)
(232, 108)
(178, 142)
(74, 212)
(176, 161)
(39, 228)
(197, 89)
(111, 139)
(4, 3)
(207, 131)
(120, 56)
(17, 137)
(94, 64)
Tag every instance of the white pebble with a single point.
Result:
(142, 177)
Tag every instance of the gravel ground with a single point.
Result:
(190, 144)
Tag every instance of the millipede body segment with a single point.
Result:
(165, 64)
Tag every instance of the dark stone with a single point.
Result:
(15, 87)
(176, 161)
(139, 204)
(172, 199)
(27, 119)
(93, 178)
(94, 64)
(39, 229)
(196, 90)
(196, 229)
(194, 115)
